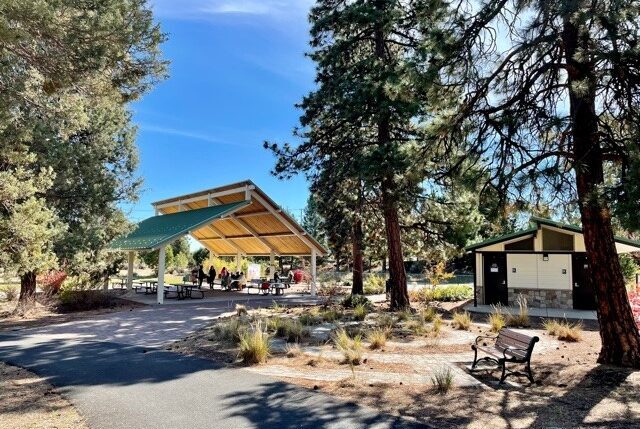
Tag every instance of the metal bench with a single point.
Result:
(509, 346)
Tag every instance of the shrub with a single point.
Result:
(241, 310)
(628, 267)
(377, 338)
(427, 315)
(451, 293)
(289, 329)
(328, 293)
(233, 330)
(386, 321)
(565, 331)
(403, 315)
(330, 315)
(308, 319)
(51, 282)
(436, 329)
(374, 285)
(442, 379)
(255, 346)
(85, 300)
(438, 273)
(416, 326)
(351, 301)
(496, 319)
(423, 295)
(522, 318)
(351, 349)
(293, 350)
(462, 321)
(360, 312)
(10, 292)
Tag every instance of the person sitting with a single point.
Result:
(239, 281)
(276, 277)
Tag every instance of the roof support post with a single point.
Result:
(313, 272)
(160, 288)
(272, 263)
(238, 261)
(130, 272)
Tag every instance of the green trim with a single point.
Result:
(158, 231)
(542, 221)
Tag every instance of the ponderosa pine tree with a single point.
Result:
(67, 69)
(551, 98)
(364, 109)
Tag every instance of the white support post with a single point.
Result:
(313, 272)
(160, 291)
(130, 272)
(238, 261)
(272, 263)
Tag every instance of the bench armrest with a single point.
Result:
(490, 337)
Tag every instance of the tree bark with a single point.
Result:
(27, 288)
(618, 331)
(357, 287)
(399, 295)
(384, 264)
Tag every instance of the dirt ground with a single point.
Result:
(571, 389)
(29, 402)
(44, 313)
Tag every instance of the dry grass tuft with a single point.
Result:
(293, 350)
(462, 321)
(564, 330)
(442, 379)
(360, 312)
(241, 310)
(522, 318)
(496, 319)
(436, 329)
(377, 338)
(255, 346)
(427, 315)
(351, 348)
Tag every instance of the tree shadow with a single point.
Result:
(280, 405)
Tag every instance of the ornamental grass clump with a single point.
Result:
(232, 330)
(351, 348)
(255, 346)
(241, 310)
(386, 321)
(496, 319)
(522, 318)
(442, 379)
(462, 321)
(360, 312)
(564, 330)
(436, 328)
(377, 338)
(293, 350)
(427, 315)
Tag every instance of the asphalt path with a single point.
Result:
(126, 382)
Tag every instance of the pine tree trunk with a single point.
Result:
(27, 288)
(357, 287)
(618, 331)
(399, 294)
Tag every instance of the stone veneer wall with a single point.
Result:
(543, 298)
(479, 294)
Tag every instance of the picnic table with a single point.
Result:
(184, 291)
(149, 286)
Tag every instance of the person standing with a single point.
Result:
(201, 275)
(212, 276)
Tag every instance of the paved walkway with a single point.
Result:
(112, 371)
(560, 313)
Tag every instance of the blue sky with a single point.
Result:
(237, 70)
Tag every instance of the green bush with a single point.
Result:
(629, 267)
(232, 330)
(85, 300)
(452, 293)
(352, 301)
(330, 315)
(374, 285)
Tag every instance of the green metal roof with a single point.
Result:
(536, 222)
(158, 230)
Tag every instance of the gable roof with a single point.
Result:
(260, 228)
(535, 223)
(156, 231)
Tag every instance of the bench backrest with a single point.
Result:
(509, 338)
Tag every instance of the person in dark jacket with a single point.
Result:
(212, 276)
(201, 275)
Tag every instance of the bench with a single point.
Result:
(509, 346)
